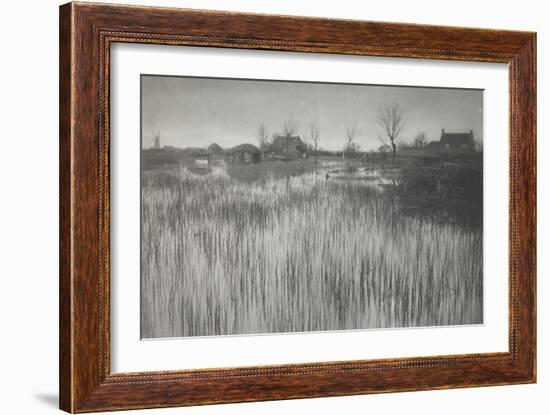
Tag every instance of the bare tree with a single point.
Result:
(420, 140)
(315, 136)
(392, 122)
(351, 146)
(290, 127)
(263, 138)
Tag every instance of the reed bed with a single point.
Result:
(295, 254)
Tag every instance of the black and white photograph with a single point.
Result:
(272, 206)
(279, 206)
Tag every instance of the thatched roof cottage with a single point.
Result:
(243, 154)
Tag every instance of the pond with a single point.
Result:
(384, 180)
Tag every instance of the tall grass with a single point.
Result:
(294, 254)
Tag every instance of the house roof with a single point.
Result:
(457, 138)
(245, 148)
(292, 142)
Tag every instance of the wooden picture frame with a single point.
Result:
(86, 33)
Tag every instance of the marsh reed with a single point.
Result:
(294, 254)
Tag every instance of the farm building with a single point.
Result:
(289, 146)
(456, 142)
(243, 154)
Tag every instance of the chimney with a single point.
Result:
(442, 132)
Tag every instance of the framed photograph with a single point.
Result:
(258, 207)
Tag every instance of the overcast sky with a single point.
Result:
(196, 112)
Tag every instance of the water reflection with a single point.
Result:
(437, 210)
(245, 173)
(463, 213)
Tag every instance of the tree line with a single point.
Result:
(390, 119)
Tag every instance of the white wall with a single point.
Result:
(29, 189)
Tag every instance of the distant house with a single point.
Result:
(456, 142)
(289, 146)
(243, 154)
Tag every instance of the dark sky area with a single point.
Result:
(195, 112)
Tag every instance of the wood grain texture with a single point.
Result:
(86, 33)
(65, 137)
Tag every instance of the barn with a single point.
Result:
(243, 154)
